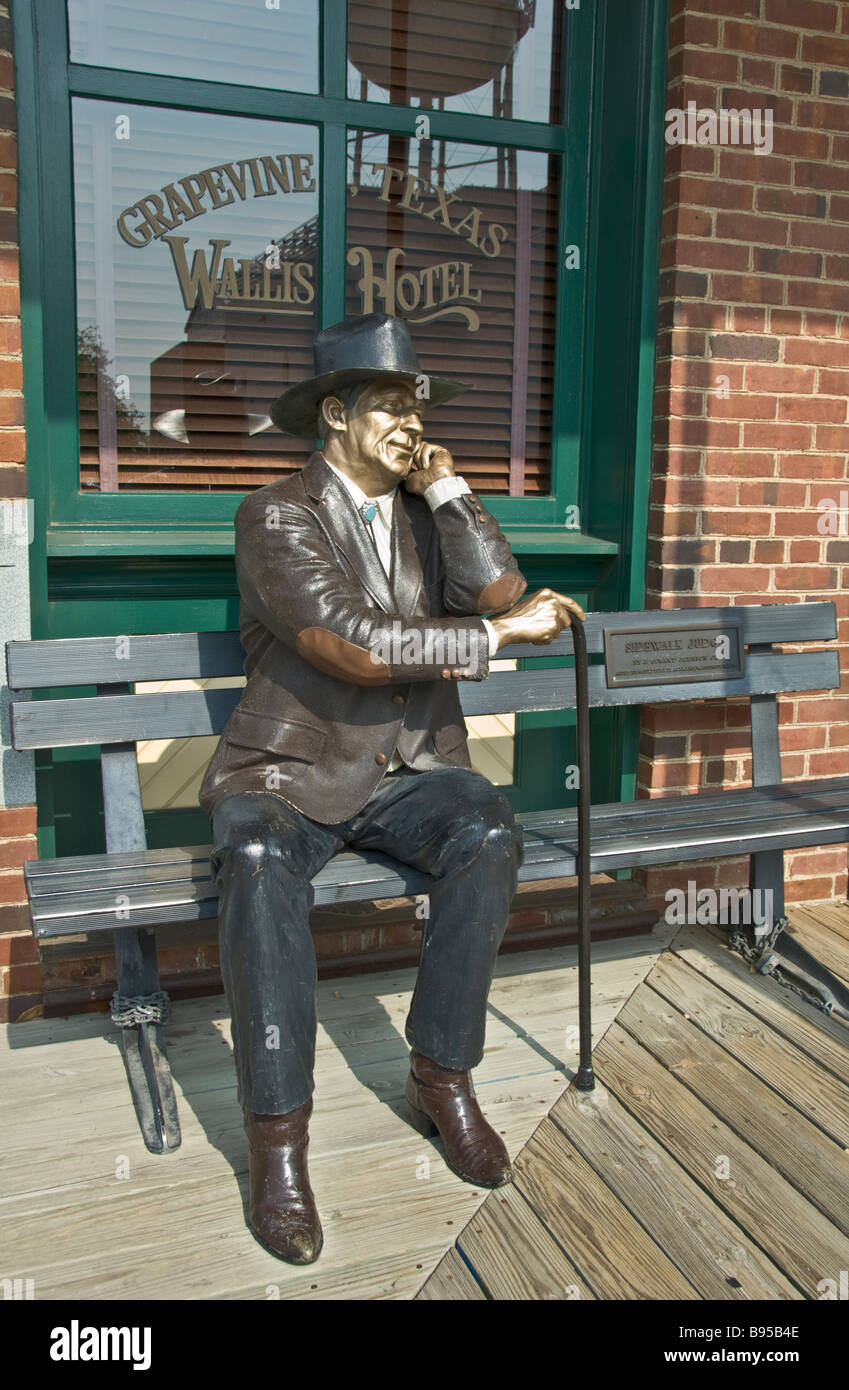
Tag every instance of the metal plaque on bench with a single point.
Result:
(670, 655)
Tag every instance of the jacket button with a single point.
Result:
(380, 758)
(398, 699)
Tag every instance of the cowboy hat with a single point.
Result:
(358, 349)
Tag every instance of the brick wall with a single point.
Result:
(751, 427)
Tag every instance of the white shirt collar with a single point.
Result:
(384, 503)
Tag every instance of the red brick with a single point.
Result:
(785, 321)
(17, 820)
(702, 64)
(796, 79)
(681, 343)
(811, 175)
(771, 492)
(826, 116)
(837, 267)
(739, 464)
(808, 890)
(743, 407)
(690, 29)
(679, 402)
(18, 949)
(834, 383)
(697, 432)
(802, 14)
(832, 411)
(726, 578)
(832, 437)
(804, 552)
(689, 159)
(22, 979)
(757, 289)
(683, 221)
(737, 523)
(834, 762)
(805, 578)
(10, 335)
(755, 38)
(797, 380)
(747, 318)
(750, 348)
(820, 294)
(788, 201)
(757, 72)
(12, 446)
(703, 375)
(773, 261)
(816, 354)
(712, 255)
(818, 861)
(800, 144)
(840, 209)
(840, 149)
(14, 853)
(710, 193)
(11, 374)
(757, 435)
(833, 52)
(767, 552)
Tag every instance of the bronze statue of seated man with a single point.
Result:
(363, 602)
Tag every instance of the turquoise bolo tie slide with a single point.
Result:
(368, 511)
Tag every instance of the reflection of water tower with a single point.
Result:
(429, 50)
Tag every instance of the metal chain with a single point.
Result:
(129, 1010)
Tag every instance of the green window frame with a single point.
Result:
(77, 522)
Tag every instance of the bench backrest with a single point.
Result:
(113, 663)
(116, 718)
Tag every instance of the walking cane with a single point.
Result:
(585, 1080)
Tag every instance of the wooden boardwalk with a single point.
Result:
(86, 1212)
(711, 1161)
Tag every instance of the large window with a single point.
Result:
(230, 176)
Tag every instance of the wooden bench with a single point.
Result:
(130, 890)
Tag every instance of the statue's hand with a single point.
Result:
(430, 462)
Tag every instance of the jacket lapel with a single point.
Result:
(348, 530)
(407, 577)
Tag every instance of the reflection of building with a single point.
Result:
(210, 394)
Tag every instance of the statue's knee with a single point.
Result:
(256, 854)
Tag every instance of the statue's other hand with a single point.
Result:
(430, 462)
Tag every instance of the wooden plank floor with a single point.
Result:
(87, 1213)
(710, 1162)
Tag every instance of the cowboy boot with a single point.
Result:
(443, 1101)
(283, 1215)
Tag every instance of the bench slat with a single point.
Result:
(748, 805)
(107, 719)
(202, 655)
(622, 837)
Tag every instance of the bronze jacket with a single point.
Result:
(344, 670)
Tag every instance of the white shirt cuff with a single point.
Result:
(443, 490)
(492, 635)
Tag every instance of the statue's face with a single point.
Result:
(383, 429)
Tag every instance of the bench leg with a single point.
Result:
(140, 1009)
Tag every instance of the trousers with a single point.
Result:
(451, 823)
